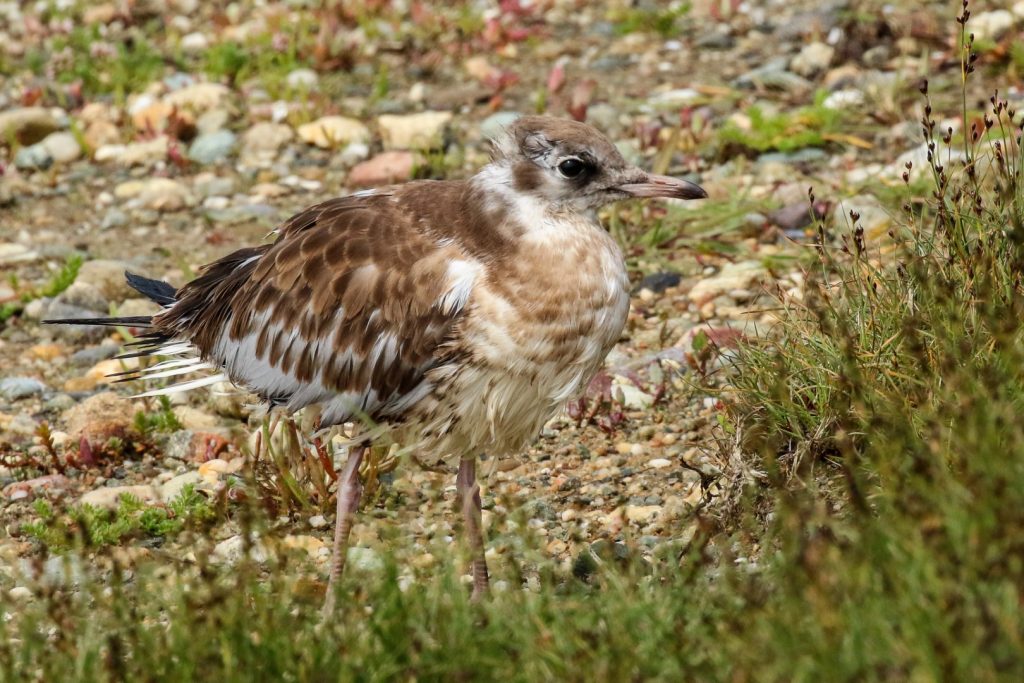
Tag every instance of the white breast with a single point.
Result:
(535, 339)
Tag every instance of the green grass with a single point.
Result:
(787, 131)
(58, 282)
(86, 526)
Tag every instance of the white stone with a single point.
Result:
(198, 97)
(813, 59)
(844, 99)
(302, 78)
(421, 131)
(194, 43)
(159, 194)
(172, 488)
(333, 131)
(659, 463)
(135, 154)
(741, 275)
(62, 146)
(992, 25)
(109, 497)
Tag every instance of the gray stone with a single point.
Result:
(211, 148)
(494, 125)
(109, 497)
(113, 218)
(773, 76)
(173, 487)
(12, 252)
(212, 121)
(33, 157)
(17, 388)
(108, 276)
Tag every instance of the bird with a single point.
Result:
(458, 316)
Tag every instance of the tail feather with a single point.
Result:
(158, 291)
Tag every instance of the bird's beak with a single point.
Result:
(664, 186)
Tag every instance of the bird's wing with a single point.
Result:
(350, 306)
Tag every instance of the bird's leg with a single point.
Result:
(350, 489)
(469, 497)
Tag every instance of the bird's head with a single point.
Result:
(570, 165)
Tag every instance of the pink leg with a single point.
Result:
(350, 489)
(469, 497)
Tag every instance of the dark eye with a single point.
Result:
(571, 168)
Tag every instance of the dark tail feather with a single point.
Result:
(155, 290)
(159, 291)
(129, 320)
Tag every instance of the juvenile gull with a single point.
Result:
(459, 315)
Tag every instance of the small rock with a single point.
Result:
(773, 76)
(63, 147)
(100, 418)
(102, 133)
(113, 218)
(992, 25)
(135, 154)
(211, 148)
(173, 487)
(813, 59)
(495, 125)
(633, 397)
(11, 253)
(333, 131)
(17, 388)
(27, 125)
(874, 218)
(354, 153)
(108, 276)
(212, 121)
(198, 97)
(318, 522)
(844, 99)
(21, 490)
(740, 275)
(159, 194)
(230, 550)
(660, 281)
(302, 79)
(109, 497)
(261, 143)
(642, 513)
(383, 169)
(33, 157)
(423, 131)
(364, 560)
(194, 43)
(659, 463)
(21, 594)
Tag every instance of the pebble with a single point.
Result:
(329, 132)
(27, 125)
(813, 59)
(173, 487)
(20, 594)
(302, 79)
(17, 388)
(262, 142)
(992, 25)
(659, 463)
(194, 43)
(199, 96)
(318, 522)
(136, 153)
(738, 275)
(422, 131)
(158, 194)
(230, 550)
(383, 169)
(11, 253)
(494, 126)
(33, 157)
(211, 148)
(109, 497)
(107, 276)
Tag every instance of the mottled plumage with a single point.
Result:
(462, 313)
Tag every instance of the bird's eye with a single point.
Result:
(571, 168)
